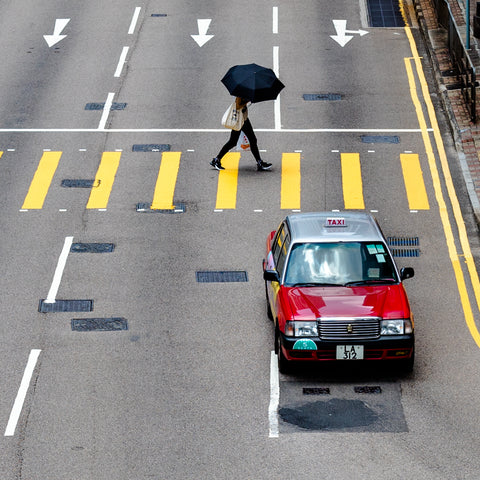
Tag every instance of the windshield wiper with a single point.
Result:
(317, 284)
(370, 282)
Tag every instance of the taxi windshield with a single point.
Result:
(346, 264)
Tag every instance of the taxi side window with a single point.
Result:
(277, 242)
(280, 248)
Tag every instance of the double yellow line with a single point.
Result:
(457, 213)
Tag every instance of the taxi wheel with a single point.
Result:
(269, 310)
(407, 365)
(284, 365)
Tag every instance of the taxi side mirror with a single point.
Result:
(406, 272)
(271, 276)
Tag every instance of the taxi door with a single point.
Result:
(276, 261)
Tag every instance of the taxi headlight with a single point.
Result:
(396, 327)
(301, 329)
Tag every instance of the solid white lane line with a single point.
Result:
(106, 111)
(275, 20)
(276, 68)
(52, 293)
(121, 62)
(133, 23)
(22, 392)
(274, 396)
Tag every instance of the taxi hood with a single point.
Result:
(384, 301)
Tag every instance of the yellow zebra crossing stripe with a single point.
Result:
(166, 181)
(41, 181)
(352, 181)
(227, 182)
(414, 184)
(104, 179)
(291, 182)
(226, 195)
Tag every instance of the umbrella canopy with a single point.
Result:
(252, 82)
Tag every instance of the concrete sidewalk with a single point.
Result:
(466, 133)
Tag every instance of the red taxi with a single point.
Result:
(334, 292)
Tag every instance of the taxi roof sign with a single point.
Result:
(335, 222)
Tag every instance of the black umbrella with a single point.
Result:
(252, 82)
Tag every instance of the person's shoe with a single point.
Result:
(261, 165)
(215, 163)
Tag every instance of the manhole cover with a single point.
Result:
(316, 391)
(92, 247)
(221, 276)
(329, 97)
(101, 106)
(66, 306)
(405, 252)
(385, 13)
(367, 389)
(380, 139)
(99, 324)
(146, 208)
(77, 183)
(403, 241)
(151, 147)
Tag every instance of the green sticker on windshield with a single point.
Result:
(380, 249)
(372, 249)
(380, 258)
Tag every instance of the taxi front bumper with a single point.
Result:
(399, 347)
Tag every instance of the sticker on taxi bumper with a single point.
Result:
(305, 344)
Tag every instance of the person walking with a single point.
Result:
(247, 129)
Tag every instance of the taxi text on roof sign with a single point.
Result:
(335, 222)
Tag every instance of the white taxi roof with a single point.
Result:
(318, 227)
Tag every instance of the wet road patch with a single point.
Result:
(334, 414)
(345, 407)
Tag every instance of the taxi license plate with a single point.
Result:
(349, 352)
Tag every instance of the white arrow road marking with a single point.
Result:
(341, 28)
(202, 38)
(60, 24)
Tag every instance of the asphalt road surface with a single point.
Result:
(149, 373)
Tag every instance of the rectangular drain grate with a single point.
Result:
(368, 389)
(385, 13)
(99, 324)
(77, 183)
(316, 391)
(159, 14)
(151, 147)
(403, 241)
(329, 97)
(405, 252)
(145, 208)
(221, 276)
(66, 306)
(92, 247)
(380, 139)
(101, 106)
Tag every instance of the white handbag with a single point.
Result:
(233, 118)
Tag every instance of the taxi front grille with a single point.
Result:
(349, 328)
